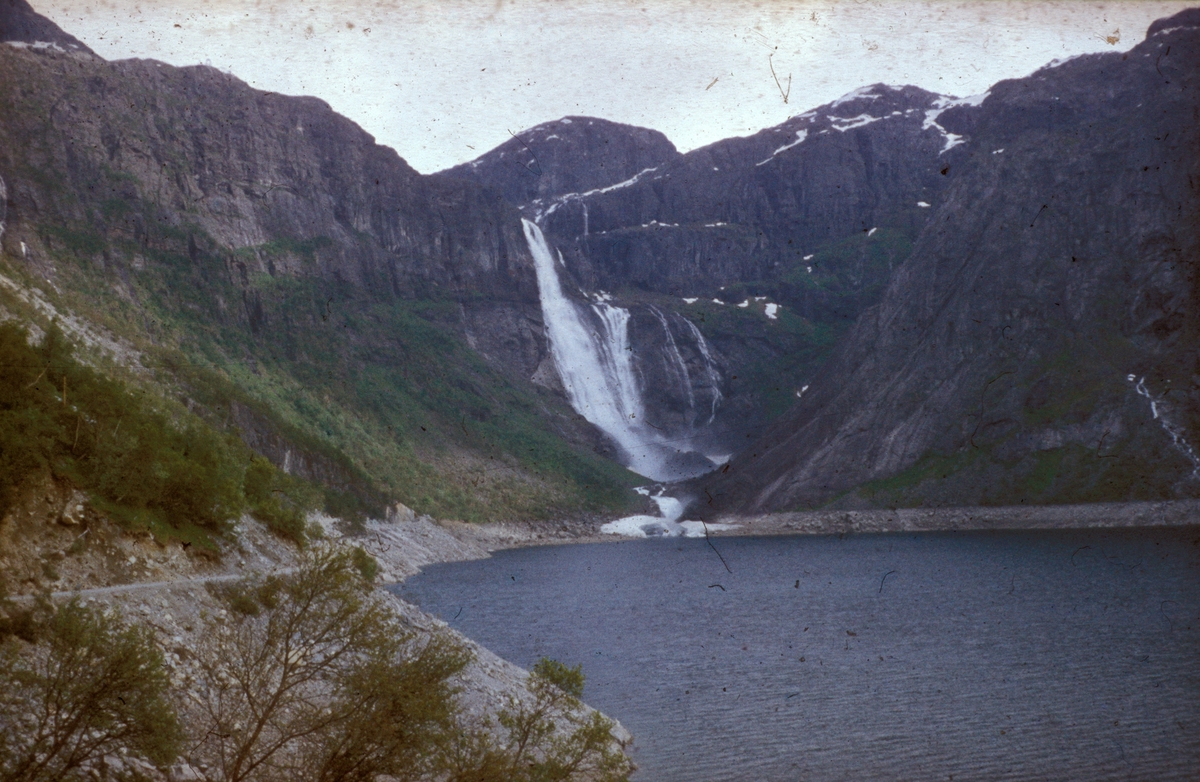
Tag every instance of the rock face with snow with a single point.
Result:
(747, 209)
(1011, 276)
(1042, 342)
(569, 155)
(20, 25)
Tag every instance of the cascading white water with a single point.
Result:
(595, 363)
(710, 367)
(676, 364)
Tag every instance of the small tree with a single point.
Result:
(550, 737)
(88, 687)
(395, 718)
(312, 675)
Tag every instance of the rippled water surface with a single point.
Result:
(1022, 655)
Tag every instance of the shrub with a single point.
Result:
(322, 682)
(364, 563)
(269, 501)
(550, 737)
(89, 687)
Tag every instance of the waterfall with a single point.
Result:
(710, 367)
(590, 347)
(678, 368)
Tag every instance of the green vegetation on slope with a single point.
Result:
(146, 463)
(307, 344)
(381, 391)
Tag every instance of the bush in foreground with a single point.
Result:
(309, 675)
(312, 676)
(88, 686)
(550, 737)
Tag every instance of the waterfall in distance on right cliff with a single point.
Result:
(590, 347)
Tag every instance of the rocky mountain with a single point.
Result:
(299, 282)
(570, 155)
(22, 26)
(1042, 342)
(739, 263)
(898, 297)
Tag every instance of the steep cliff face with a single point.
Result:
(859, 163)
(199, 151)
(1042, 341)
(265, 250)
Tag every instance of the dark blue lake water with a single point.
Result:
(1019, 655)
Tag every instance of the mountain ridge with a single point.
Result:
(981, 433)
(229, 228)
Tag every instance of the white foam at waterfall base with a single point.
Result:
(665, 525)
(596, 364)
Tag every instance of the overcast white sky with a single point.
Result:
(442, 82)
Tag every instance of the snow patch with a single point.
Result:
(923, 204)
(745, 304)
(771, 310)
(941, 104)
(852, 122)
(947, 101)
(566, 121)
(567, 197)
(36, 45)
(692, 300)
(862, 93)
(718, 301)
(800, 136)
(807, 258)
(872, 231)
(952, 139)
(997, 151)
(633, 179)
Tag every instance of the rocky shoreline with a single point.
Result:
(403, 546)
(1171, 513)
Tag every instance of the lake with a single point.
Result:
(984, 655)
